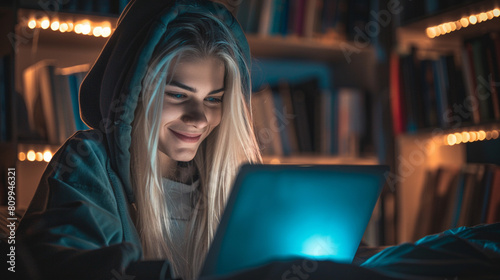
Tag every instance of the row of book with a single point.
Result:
(105, 7)
(454, 197)
(301, 17)
(51, 100)
(300, 118)
(5, 98)
(439, 92)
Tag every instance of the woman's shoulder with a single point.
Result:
(84, 151)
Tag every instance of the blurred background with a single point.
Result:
(411, 84)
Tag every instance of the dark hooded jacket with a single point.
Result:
(79, 224)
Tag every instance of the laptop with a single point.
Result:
(282, 212)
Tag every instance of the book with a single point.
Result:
(470, 188)
(493, 209)
(289, 116)
(397, 99)
(351, 121)
(265, 123)
(482, 85)
(38, 86)
(266, 17)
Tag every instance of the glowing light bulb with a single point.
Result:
(464, 21)
(106, 31)
(496, 12)
(63, 27)
(473, 19)
(453, 26)
(483, 16)
(494, 134)
(31, 155)
(21, 156)
(458, 136)
(490, 14)
(431, 32)
(45, 23)
(32, 24)
(54, 25)
(465, 137)
(447, 27)
(97, 31)
(473, 136)
(78, 28)
(482, 135)
(452, 139)
(47, 156)
(86, 28)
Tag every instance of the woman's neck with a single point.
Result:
(183, 172)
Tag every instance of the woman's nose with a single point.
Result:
(195, 115)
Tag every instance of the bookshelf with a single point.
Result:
(431, 43)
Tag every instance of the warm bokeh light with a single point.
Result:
(32, 24)
(447, 27)
(483, 17)
(495, 134)
(47, 156)
(45, 24)
(470, 136)
(481, 135)
(21, 156)
(78, 28)
(63, 27)
(465, 22)
(473, 19)
(97, 31)
(465, 137)
(106, 31)
(452, 140)
(431, 32)
(275, 161)
(453, 26)
(54, 25)
(31, 155)
(38, 156)
(488, 135)
(86, 28)
(473, 136)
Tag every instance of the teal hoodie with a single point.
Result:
(79, 224)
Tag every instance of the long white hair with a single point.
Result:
(218, 157)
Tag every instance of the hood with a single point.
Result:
(109, 92)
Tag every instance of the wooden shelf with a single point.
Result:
(320, 159)
(304, 48)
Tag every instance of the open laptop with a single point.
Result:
(280, 212)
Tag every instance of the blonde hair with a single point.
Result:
(218, 157)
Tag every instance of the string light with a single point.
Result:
(33, 155)
(84, 27)
(448, 27)
(470, 136)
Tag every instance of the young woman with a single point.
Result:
(167, 103)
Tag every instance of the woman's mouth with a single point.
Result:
(187, 137)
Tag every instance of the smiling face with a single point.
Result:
(192, 107)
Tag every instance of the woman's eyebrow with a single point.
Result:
(188, 88)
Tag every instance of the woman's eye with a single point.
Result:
(175, 95)
(215, 100)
